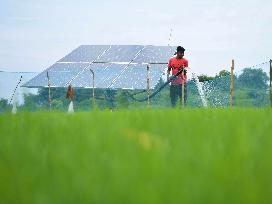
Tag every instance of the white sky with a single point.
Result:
(34, 34)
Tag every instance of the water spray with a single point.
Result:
(12, 97)
(170, 37)
(200, 90)
(169, 43)
(14, 108)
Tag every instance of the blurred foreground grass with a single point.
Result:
(141, 156)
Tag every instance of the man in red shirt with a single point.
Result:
(175, 64)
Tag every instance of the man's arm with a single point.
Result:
(185, 66)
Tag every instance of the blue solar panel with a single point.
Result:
(59, 75)
(85, 53)
(121, 53)
(85, 79)
(112, 74)
(156, 72)
(104, 75)
(117, 76)
(135, 77)
(115, 67)
(155, 54)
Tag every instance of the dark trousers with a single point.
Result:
(176, 93)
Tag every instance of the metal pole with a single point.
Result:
(93, 88)
(231, 83)
(148, 84)
(271, 82)
(49, 91)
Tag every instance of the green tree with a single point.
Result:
(222, 73)
(203, 78)
(30, 102)
(3, 104)
(253, 78)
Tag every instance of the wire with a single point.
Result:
(257, 65)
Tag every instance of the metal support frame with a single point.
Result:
(148, 84)
(49, 91)
(93, 88)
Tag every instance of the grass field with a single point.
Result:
(144, 156)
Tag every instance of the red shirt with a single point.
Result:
(175, 65)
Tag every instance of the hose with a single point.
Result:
(158, 90)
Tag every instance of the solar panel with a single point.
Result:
(59, 75)
(155, 54)
(85, 53)
(104, 75)
(156, 72)
(135, 77)
(121, 53)
(115, 67)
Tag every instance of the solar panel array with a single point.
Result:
(115, 67)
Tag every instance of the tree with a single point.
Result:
(3, 104)
(253, 78)
(30, 102)
(203, 78)
(222, 73)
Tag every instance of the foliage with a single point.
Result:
(3, 105)
(223, 73)
(253, 78)
(203, 78)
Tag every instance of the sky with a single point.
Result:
(34, 34)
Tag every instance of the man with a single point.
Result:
(175, 64)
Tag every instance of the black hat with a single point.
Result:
(180, 49)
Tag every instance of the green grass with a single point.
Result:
(146, 156)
